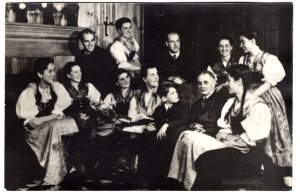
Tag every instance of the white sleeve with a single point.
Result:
(132, 112)
(222, 123)
(117, 50)
(241, 60)
(109, 100)
(257, 123)
(273, 70)
(26, 107)
(63, 98)
(93, 94)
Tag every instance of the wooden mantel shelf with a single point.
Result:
(38, 40)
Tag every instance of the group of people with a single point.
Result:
(239, 116)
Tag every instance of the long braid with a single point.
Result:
(243, 101)
(240, 71)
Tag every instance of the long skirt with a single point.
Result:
(279, 143)
(46, 143)
(189, 147)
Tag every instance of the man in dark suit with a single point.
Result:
(173, 64)
(207, 110)
(203, 118)
(97, 64)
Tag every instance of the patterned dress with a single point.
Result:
(267, 67)
(45, 140)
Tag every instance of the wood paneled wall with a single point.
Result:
(36, 40)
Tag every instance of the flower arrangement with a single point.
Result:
(104, 113)
(104, 118)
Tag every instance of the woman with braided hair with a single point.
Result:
(244, 124)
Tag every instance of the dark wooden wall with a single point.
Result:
(200, 24)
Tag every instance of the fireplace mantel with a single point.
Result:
(38, 40)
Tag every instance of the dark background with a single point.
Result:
(199, 25)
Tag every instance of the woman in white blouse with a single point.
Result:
(124, 48)
(268, 71)
(252, 123)
(41, 106)
(83, 96)
(245, 123)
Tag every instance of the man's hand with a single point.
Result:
(162, 131)
(221, 136)
(235, 141)
(198, 128)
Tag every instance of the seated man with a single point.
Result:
(203, 120)
(245, 124)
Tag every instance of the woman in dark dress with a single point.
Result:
(121, 96)
(224, 60)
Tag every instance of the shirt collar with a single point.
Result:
(168, 106)
(177, 54)
(206, 97)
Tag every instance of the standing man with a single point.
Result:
(95, 61)
(173, 64)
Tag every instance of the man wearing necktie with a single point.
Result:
(207, 110)
(173, 65)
